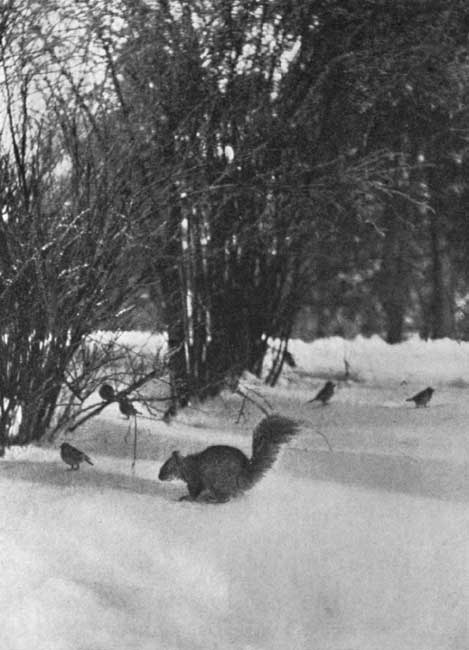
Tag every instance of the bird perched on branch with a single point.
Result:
(127, 408)
(73, 456)
(422, 398)
(106, 393)
(325, 394)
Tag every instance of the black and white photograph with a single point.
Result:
(234, 324)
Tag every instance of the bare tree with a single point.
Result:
(69, 257)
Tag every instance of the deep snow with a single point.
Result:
(362, 549)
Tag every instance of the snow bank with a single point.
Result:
(101, 559)
(293, 565)
(373, 360)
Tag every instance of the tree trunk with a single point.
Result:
(394, 274)
(443, 323)
(443, 317)
(174, 315)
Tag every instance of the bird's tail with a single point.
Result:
(272, 432)
(410, 399)
(315, 399)
(87, 459)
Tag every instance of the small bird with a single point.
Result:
(73, 456)
(106, 393)
(127, 408)
(289, 359)
(324, 394)
(422, 398)
(169, 413)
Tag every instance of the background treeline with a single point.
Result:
(239, 161)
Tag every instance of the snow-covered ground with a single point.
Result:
(362, 548)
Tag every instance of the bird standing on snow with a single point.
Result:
(127, 408)
(324, 394)
(73, 456)
(422, 398)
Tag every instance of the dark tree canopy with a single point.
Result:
(240, 160)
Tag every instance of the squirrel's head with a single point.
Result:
(171, 468)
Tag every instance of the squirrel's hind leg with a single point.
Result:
(207, 496)
(214, 497)
(194, 490)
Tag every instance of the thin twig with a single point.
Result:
(261, 397)
(86, 417)
(325, 439)
(241, 410)
(134, 459)
(246, 397)
(319, 433)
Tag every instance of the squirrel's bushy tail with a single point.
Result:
(271, 432)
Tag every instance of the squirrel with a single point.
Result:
(220, 472)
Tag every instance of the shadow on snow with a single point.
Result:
(55, 474)
(432, 478)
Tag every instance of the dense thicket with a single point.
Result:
(315, 151)
(67, 250)
(251, 159)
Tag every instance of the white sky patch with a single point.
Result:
(229, 153)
